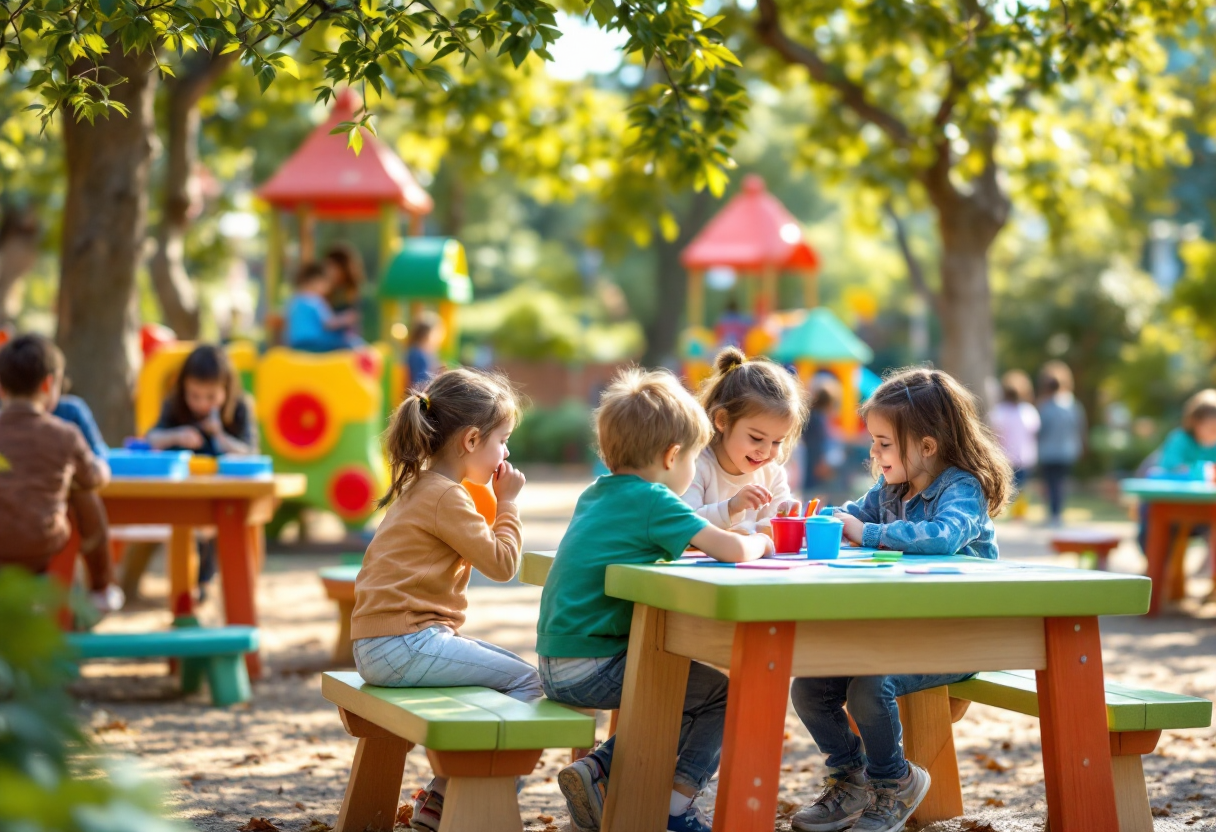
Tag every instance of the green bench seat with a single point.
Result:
(217, 653)
(480, 739)
(1135, 718)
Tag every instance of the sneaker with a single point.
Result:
(584, 786)
(844, 798)
(894, 801)
(428, 807)
(693, 820)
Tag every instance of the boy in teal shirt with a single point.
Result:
(650, 431)
(1183, 449)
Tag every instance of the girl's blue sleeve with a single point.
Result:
(1177, 452)
(869, 508)
(961, 510)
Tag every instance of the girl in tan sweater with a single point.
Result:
(410, 594)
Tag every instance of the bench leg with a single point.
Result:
(192, 672)
(1131, 795)
(344, 650)
(929, 742)
(481, 804)
(374, 788)
(228, 679)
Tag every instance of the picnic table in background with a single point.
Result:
(959, 615)
(1172, 503)
(238, 507)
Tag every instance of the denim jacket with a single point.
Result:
(949, 517)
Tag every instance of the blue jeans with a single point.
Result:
(871, 699)
(437, 657)
(597, 683)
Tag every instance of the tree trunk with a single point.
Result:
(170, 280)
(103, 234)
(663, 329)
(20, 232)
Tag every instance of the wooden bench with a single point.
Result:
(217, 653)
(339, 583)
(1087, 542)
(478, 738)
(1135, 718)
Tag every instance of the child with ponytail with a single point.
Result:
(410, 594)
(757, 410)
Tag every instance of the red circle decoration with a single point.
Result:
(302, 419)
(368, 363)
(351, 491)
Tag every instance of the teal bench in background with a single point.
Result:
(217, 653)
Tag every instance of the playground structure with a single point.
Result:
(322, 414)
(756, 237)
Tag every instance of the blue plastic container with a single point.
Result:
(823, 536)
(245, 466)
(171, 465)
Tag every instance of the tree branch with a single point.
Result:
(916, 275)
(768, 29)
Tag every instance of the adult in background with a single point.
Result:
(1016, 422)
(1061, 433)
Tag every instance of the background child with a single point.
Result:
(817, 440)
(311, 325)
(941, 478)
(650, 431)
(1185, 447)
(45, 463)
(410, 594)
(757, 410)
(1061, 434)
(207, 412)
(1016, 422)
(344, 268)
(422, 353)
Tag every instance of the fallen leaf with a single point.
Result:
(785, 808)
(787, 767)
(113, 725)
(317, 825)
(300, 806)
(249, 760)
(198, 775)
(405, 813)
(1196, 796)
(1160, 812)
(545, 819)
(1006, 745)
(324, 755)
(186, 784)
(994, 801)
(258, 825)
(548, 779)
(977, 826)
(788, 735)
(997, 764)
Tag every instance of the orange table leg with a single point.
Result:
(1158, 553)
(239, 570)
(1072, 722)
(755, 727)
(183, 570)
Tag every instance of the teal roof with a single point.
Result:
(821, 337)
(427, 268)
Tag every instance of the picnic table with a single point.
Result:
(1172, 503)
(765, 626)
(238, 507)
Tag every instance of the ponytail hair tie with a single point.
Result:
(424, 401)
(734, 367)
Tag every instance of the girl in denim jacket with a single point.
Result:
(942, 477)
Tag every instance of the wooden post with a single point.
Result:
(768, 292)
(760, 663)
(389, 236)
(810, 289)
(1072, 722)
(375, 777)
(239, 570)
(481, 804)
(696, 298)
(274, 261)
(648, 732)
(929, 742)
(308, 230)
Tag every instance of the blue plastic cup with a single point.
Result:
(823, 536)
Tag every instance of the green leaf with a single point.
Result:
(354, 139)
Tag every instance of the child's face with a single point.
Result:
(489, 451)
(1205, 432)
(885, 451)
(204, 397)
(752, 442)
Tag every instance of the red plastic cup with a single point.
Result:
(787, 534)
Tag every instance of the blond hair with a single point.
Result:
(428, 419)
(1198, 408)
(642, 414)
(921, 402)
(740, 388)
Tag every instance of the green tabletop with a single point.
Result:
(343, 574)
(982, 589)
(1172, 491)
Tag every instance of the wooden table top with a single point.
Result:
(1176, 491)
(282, 486)
(962, 588)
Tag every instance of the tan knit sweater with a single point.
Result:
(417, 567)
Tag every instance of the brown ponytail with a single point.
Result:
(740, 388)
(427, 420)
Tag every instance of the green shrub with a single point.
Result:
(51, 778)
(554, 435)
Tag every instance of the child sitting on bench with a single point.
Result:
(410, 594)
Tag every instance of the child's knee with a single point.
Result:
(811, 694)
(870, 697)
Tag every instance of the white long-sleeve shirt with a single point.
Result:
(712, 489)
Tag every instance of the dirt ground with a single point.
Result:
(285, 756)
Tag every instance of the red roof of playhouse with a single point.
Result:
(753, 231)
(337, 184)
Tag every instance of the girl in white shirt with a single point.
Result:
(757, 409)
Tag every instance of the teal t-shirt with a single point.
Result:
(1182, 451)
(618, 519)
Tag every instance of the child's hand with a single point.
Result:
(110, 599)
(853, 528)
(508, 482)
(188, 438)
(749, 498)
(212, 424)
(789, 508)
